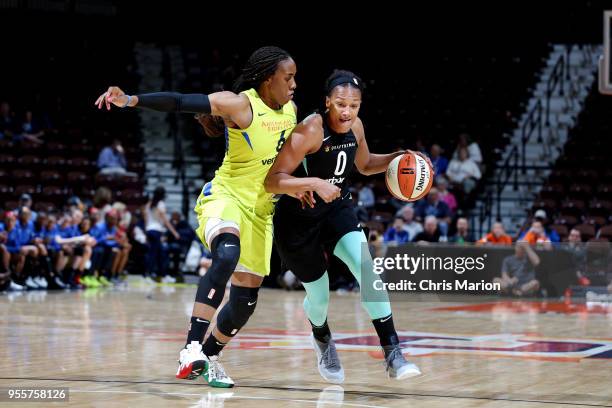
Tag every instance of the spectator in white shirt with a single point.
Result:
(464, 171)
(472, 148)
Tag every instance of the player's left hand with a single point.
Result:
(424, 157)
(306, 198)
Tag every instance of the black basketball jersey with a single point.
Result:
(333, 162)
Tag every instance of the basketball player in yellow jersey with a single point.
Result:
(234, 210)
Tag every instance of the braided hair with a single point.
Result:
(260, 66)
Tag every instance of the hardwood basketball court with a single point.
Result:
(119, 348)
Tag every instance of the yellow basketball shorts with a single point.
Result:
(256, 237)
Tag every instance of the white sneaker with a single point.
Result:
(168, 279)
(191, 361)
(215, 375)
(16, 287)
(31, 284)
(328, 361)
(397, 366)
(41, 282)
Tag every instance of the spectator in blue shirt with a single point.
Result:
(105, 232)
(26, 201)
(396, 233)
(432, 206)
(111, 159)
(112, 246)
(18, 243)
(5, 258)
(40, 226)
(367, 198)
(45, 254)
(439, 162)
(436, 207)
(51, 230)
(22, 234)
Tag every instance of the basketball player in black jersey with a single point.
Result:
(317, 157)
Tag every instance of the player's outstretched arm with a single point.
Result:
(235, 108)
(371, 163)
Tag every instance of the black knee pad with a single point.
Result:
(225, 250)
(238, 310)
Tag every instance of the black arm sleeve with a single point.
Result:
(175, 102)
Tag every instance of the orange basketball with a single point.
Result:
(409, 177)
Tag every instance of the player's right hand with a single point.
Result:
(114, 95)
(327, 191)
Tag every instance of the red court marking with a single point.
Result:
(497, 356)
(521, 306)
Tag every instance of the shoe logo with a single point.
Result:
(384, 320)
(230, 245)
(201, 320)
(324, 139)
(219, 344)
(251, 304)
(261, 114)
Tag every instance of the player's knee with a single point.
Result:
(225, 255)
(225, 250)
(238, 310)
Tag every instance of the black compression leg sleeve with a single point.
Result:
(237, 311)
(225, 255)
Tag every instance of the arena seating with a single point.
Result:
(578, 193)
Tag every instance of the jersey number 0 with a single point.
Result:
(340, 163)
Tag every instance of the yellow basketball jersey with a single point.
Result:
(249, 154)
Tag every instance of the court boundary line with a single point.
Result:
(295, 389)
(248, 397)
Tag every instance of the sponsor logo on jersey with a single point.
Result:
(343, 146)
(334, 180)
(268, 162)
(277, 125)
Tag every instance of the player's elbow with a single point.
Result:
(366, 170)
(270, 184)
